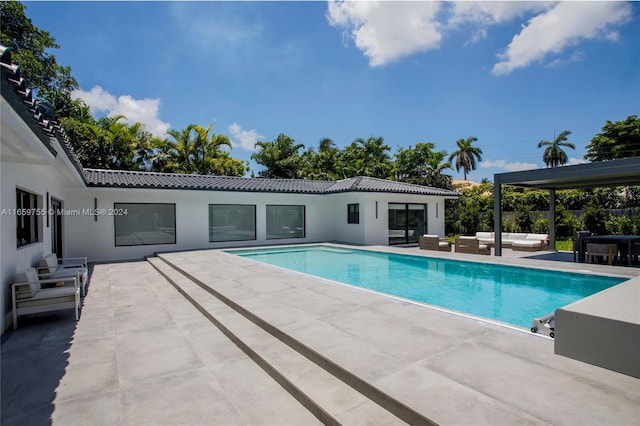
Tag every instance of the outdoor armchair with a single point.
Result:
(29, 296)
(51, 266)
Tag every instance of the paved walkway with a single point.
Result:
(141, 354)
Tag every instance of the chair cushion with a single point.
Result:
(27, 291)
(50, 262)
(47, 296)
(484, 235)
(526, 243)
(538, 237)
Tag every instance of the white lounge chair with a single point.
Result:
(29, 297)
(51, 266)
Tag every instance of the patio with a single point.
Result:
(142, 353)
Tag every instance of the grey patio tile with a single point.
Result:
(447, 401)
(90, 378)
(189, 398)
(148, 316)
(104, 409)
(33, 417)
(531, 387)
(380, 331)
(88, 352)
(96, 324)
(259, 399)
(152, 353)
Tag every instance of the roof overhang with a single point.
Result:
(610, 173)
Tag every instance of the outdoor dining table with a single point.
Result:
(629, 240)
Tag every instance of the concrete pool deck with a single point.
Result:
(142, 353)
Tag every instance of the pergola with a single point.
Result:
(610, 173)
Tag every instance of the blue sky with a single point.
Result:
(509, 73)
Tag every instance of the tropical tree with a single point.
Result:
(207, 148)
(321, 165)
(421, 165)
(195, 149)
(84, 134)
(554, 155)
(619, 139)
(466, 155)
(280, 157)
(179, 151)
(367, 157)
(30, 48)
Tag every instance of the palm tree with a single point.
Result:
(435, 172)
(280, 157)
(554, 155)
(324, 164)
(374, 155)
(180, 150)
(466, 155)
(207, 148)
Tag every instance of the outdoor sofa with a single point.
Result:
(434, 242)
(471, 245)
(516, 240)
(30, 294)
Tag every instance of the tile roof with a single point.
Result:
(152, 180)
(38, 116)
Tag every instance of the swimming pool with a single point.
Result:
(508, 294)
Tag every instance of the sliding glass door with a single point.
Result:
(406, 222)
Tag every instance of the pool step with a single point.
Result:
(331, 400)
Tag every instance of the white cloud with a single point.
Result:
(144, 111)
(387, 31)
(492, 12)
(564, 26)
(573, 160)
(245, 138)
(508, 166)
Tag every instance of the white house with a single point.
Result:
(50, 203)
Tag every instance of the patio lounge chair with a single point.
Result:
(28, 296)
(434, 242)
(471, 245)
(51, 266)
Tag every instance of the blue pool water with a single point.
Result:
(508, 294)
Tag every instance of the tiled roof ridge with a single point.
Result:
(196, 174)
(36, 115)
(404, 183)
(163, 180)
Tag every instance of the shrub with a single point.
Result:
(594, 219)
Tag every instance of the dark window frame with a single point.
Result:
(117, 207)
(289, 236)
(27, 225)
(353, 213)
(255, 226)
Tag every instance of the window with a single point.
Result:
(353, 213)
(142, 224)
(232, 222)
(285, 222)
(27, 216)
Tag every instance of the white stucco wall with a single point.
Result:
(25, 164)
(374, 215)
(96, 239)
